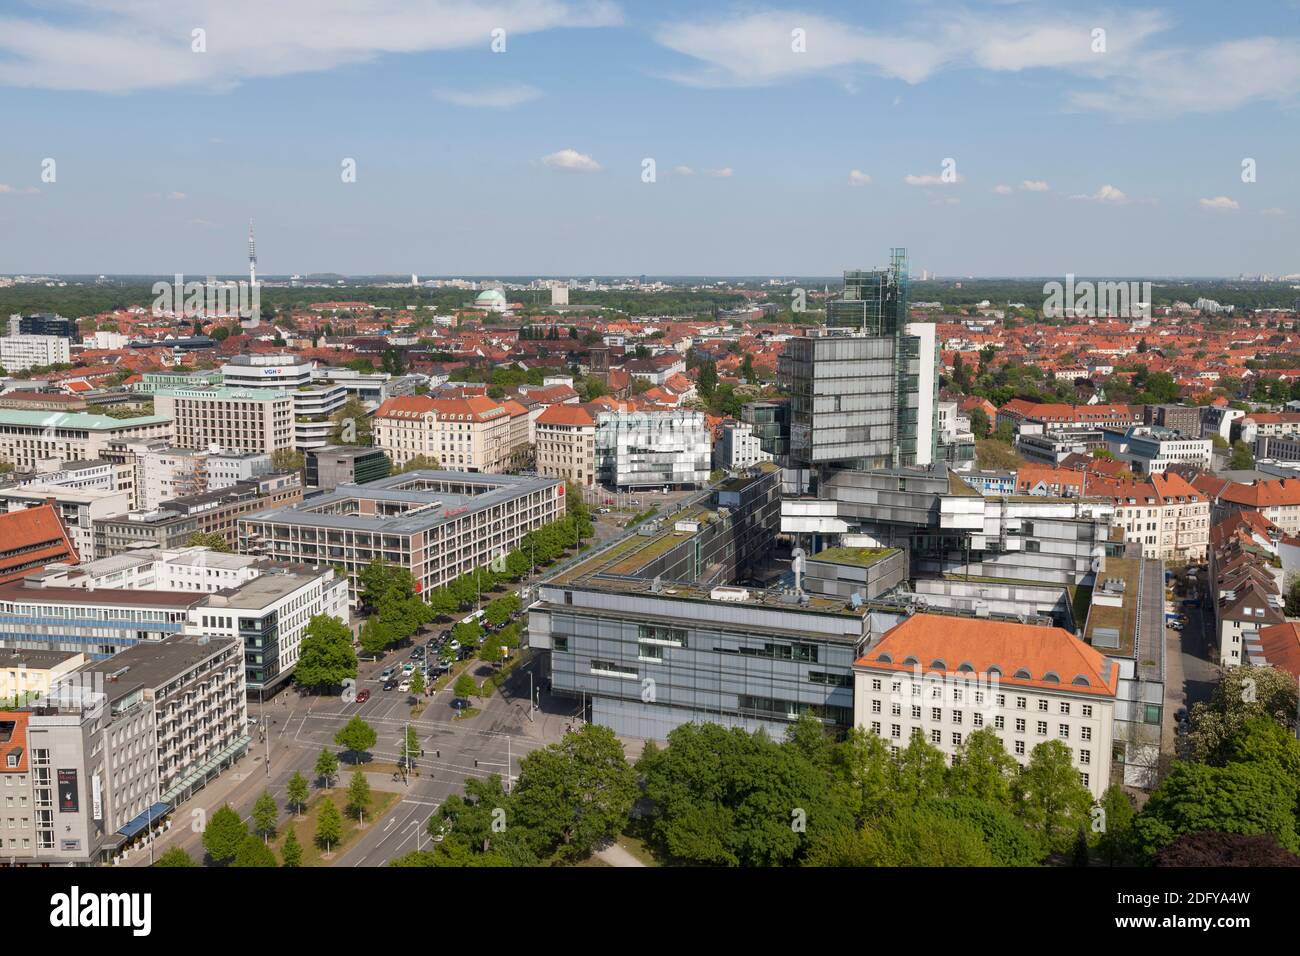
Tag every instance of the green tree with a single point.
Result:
(1238, 798)
(352, 424)
(920, 771)
(1004, 834)
(327, 765)
(291, 851)
(409, 744)
(253, 852)
(359, 798)
(208, 539)
(983, 769)
(266, 814)
(576, 793)
(296, 791)
(175, 857)
(326, 657)
(1049, 796)
(863, 769)
(906, 836)
(1241, 458)
(356, 737)
(465, 687)
(1116, 843)
(287, 459)
(725, 797)
(329, 825)
(501, 610)
(1243, 694)
(223, 834)
(417, 682)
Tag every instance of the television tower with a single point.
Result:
(252, 257)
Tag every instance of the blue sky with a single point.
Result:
(1123, 161)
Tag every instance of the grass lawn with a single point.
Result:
(305, 828)
(467, 713)
(638, 849)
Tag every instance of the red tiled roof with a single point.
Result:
(30, 539)
(1281, 644)
(945, 644)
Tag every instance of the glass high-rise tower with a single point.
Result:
(864, 392)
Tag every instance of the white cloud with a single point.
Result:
(118, 46)
(755, 49)
(573, 160)
(1003, 190)
(1133, 77)
(1219, 203)
(723, 173)
(1034, 186)
(1273, 211)
(14, 190)
(930, 180)
(1106, 193)
(858, 178)
(1215, 79)
(682, 171)
(497, 98)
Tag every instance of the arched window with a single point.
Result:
(1022, 674)
(884, 659)
(1052, 677)
(1081, 681)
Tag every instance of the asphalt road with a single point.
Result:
(298, 727)
(492, 741)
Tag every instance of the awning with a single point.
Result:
(156, 812)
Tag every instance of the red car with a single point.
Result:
(363, 696)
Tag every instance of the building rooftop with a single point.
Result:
(225, 394)
(21, 592)
(858, 557)
(1020, 655)
(75, 420)
(412, 499)
(154, 664)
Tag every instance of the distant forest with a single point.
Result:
(78, 301)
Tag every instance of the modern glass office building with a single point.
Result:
(645, 449)
(864, 392)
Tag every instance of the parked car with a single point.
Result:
(390, 684)
(363, 696)
(453, 645)
(1176, 624)
(407, 668)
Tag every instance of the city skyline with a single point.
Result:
(784, 142)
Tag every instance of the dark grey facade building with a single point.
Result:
(335, 465)
(648, 634)
(44, 323)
